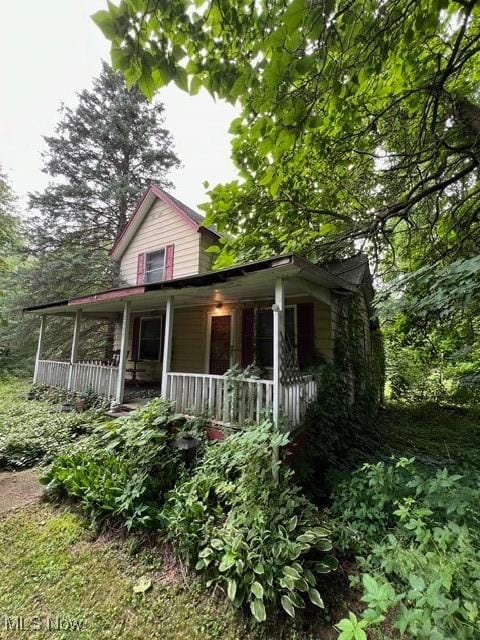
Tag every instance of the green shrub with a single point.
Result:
(35, 432)
(125, 468)
(418, 532)
(259, 539)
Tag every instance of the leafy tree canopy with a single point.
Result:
(360, 119)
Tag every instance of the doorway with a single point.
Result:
(220, 343)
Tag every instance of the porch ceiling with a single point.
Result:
(236, 285)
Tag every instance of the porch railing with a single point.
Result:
(220, 398)
(80, 376)
(233, 402)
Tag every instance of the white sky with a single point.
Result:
(49, 51)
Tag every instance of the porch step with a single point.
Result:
(134, 404)
(127, 407)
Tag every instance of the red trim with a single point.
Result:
(135, 338)
(107, 295)
(305, 334)
(140, 268)
(169, 252)
(161, 195)
(248, 333)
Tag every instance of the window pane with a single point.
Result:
(155, 260)
(150, 335)
(264, 334)
(154, 266)
(151, 328)
(149, 349)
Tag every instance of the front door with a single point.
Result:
(220, 344)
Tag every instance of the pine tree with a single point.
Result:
(103, 154)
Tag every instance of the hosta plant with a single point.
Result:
(259, 539)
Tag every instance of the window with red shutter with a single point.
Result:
(305, 334)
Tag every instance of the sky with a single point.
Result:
(49, 51)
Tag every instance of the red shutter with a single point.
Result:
(169, 251)
(135, 338)
(248, 351)
(140, 267)
(305, 334)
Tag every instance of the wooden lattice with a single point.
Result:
(289, 369)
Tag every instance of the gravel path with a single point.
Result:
(18, 488)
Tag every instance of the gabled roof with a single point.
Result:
(353, 269)
(151, 195)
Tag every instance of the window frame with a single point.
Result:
(140, 330)
(255, 337)
(146, 271)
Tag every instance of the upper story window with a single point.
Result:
(154, 266)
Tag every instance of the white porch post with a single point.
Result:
(38, 355)
(122, 363)
(167, 345)
(73, 353)
(278, 333)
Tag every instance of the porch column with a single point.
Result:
(122, 361)
(167, 345)
(73, 353)
(278, 333)
(38, 355)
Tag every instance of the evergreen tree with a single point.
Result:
(103, 154)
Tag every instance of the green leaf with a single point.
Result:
(291, 572)
(195, 85)
(258, 610)
(257, 589)
(181, 78)
(316, 598)
(228, 561)
(232, 589)
(107, 24)
(142, 585)
(287, 604)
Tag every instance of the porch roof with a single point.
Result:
(240, 283)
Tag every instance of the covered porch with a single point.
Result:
(188, 362)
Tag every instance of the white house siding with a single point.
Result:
(162, 226)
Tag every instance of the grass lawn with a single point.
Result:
(51, 566)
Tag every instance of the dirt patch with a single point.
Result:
(18, 488)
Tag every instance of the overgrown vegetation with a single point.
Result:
(256, 537)
(33, 432)
(124, 469)
(415, 534)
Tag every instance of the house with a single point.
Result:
(181, 325)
